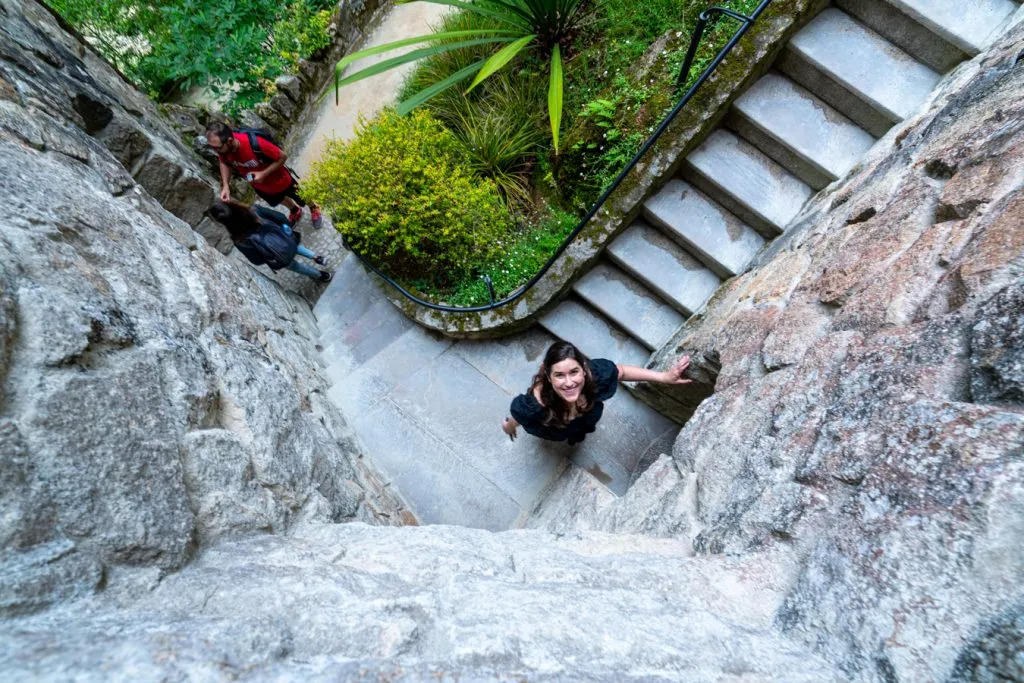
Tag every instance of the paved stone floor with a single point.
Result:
(428, 409)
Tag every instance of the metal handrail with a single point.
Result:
(745, 23)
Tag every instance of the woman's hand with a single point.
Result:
(674, 375)
(509, 425)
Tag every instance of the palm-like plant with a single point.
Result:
(546, 25)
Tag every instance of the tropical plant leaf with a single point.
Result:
(422, 96)
(428, 38)
(500, 59)
(387, 64)
(555, 95)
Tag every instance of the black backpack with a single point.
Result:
(272, 245)
(254, 135)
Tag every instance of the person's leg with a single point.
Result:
(303, 251)
(303, 269)
(315, 216)
(294, 205)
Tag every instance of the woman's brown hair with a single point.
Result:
(556, 410)
(238, 218)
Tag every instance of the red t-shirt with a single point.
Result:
(245, 161)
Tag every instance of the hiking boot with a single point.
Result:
(325, 276)
(320, 260)
(317, 218)
(295, 216)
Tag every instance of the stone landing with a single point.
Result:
(428, 411)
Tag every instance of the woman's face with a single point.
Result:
(567, 378)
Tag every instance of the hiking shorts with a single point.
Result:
(277, 197)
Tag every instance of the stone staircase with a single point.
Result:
(846, 78)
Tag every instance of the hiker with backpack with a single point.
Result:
(264, 236)
(257, 157)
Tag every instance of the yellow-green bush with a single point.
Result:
(402, 195)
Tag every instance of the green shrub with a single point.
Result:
(402, 195)
(301, 32)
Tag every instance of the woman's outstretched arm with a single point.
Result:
(674, 375)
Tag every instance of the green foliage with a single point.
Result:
(501, 135)
(231, 46)
(521, 255)
(545, 25)
(625, 86)
(402, 195)
(301, 32)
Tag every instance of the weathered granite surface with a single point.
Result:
(358, 603)
(847, 504)
(156, 396)
(51, 81)
(868, 418)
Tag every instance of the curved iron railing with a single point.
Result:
(706, 16)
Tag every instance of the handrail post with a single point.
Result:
(691, 53)
(490, 287)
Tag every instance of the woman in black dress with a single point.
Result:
(567, 395)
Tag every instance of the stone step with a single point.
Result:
(719, 239)
(629, 304)
(661, 264)
(857, 71)
(968, 25)
(806, 136)
(883, 17)
(575, 322)
(939, 33)
(747, 182)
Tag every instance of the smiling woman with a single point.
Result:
(567, 395)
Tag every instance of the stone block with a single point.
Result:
(159, 175)
(311, 73)
(290, 86)
(126, 140)
(283, 106)
(269, 115)
(190, 197)
(185, 119)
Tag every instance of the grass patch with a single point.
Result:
(522, 254)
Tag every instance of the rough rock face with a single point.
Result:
(868, 417)
(156, 396)
(350, 602)
(56, 93)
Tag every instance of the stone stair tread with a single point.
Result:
(763, 193)
(969, 28)
(875, 70)
(715, 236)
(804, 125)
(664, 266)
(631, 305)
(594, 334)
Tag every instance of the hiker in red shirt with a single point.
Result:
(263, 167)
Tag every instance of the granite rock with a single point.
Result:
(867, 420)
(157, 395)
(351, 602)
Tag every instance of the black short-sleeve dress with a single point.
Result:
(529, 413)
